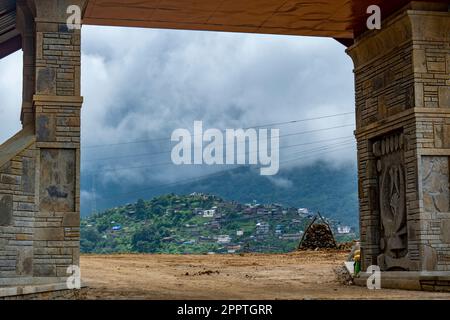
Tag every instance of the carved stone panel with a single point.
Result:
(435, 183)
(390, 165)
(57, 182)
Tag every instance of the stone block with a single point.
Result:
(444, 97)
(62, 272)
(24, 237)
(418, 94)
(45, 128)
(28, 175)
(23, 206)
(6, 210)
(76, 256)
(68, 121)
(48, 28)
(448, 63)
(24, 263)
(436, 66)
(45, 234)
(66, 84)
(46, 81)
(65, 76)
(9, 179)
(71, 219)
(420, 61)
(429, 258)
(445, 231)
(441, 135)
(44, 270)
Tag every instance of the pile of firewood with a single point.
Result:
(318, 236)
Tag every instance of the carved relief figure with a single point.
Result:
(393, 213)
(435, 182)
(392, 197)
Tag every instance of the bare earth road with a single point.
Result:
(300, 275)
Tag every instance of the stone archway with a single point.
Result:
(403, 127)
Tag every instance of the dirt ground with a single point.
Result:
(300, 275)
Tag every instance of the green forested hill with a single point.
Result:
(196, 223)
(319, 187)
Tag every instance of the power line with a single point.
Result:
(165, 139)
(170, 151)
(281, 136)
(258, 126)
(184, 181)
(347, 146)
(171, 163)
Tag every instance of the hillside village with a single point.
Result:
(199, 223)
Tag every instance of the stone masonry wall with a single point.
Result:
(17, 215)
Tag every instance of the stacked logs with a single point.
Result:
(318, 236)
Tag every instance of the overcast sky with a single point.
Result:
(142, 84)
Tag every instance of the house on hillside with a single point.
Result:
(215, 225)
(204, 239)
(233, 248)
(224, 239)
(344, 229)
(292, 236)
(262, 228)
(279, 229)
(303, 211)
(209, 213)
(250, 211)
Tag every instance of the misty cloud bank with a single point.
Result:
(141, 85)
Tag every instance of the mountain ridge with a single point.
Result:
(318, 187)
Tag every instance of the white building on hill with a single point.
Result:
(344, 229)
(209, 213)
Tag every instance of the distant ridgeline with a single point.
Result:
(199, 223)
(319, 187)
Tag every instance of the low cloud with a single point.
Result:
(141, 84)
(281, 182)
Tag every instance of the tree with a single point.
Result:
(140, 209)
(90, 240)
(149, 238)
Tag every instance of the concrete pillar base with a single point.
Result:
(52, 291)
(425, 281)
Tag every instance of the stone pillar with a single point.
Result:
(40, 166)
(25, 24)
(402, 77)
(57, 105)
